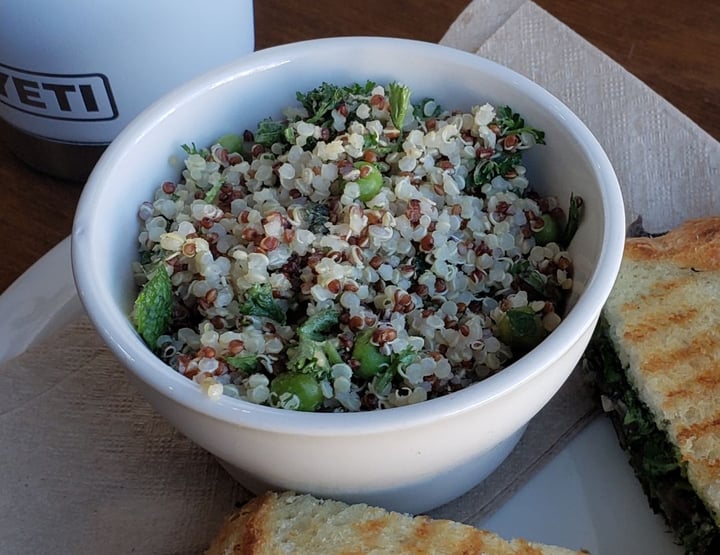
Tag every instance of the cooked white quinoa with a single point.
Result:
(431, 263)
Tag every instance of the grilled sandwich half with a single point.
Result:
(304, 525)
(656, 357)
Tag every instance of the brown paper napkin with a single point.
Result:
(88, 467)
(668, 167)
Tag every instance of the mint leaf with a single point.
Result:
(153, 307)
(259, 301)
(244, 362)
(318, 326)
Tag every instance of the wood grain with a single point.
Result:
(673, 47)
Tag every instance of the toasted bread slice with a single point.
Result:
(663, 318)
(301, 524)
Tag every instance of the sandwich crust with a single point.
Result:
(276, 523)
(694, 244)
(664, 319)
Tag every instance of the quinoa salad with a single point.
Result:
(367, 250)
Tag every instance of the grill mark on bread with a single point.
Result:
(369, 530)
(659, 291)
(657, 323)
(524, 548)
(710, 465)
(696, 351)
(370, 527)
(707, 381)
(664, 288)
(683, 317)
(423, 529)
(474, 543)
(699, 430)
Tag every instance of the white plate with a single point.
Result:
(586, 497)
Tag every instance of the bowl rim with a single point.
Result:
(143, 364)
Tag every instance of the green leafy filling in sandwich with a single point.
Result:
(652, 455)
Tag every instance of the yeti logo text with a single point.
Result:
(67, 97)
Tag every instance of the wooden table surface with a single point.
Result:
(673, 47)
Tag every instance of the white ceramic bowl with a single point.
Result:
(412, 458)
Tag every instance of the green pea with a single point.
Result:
(303, 386)
(550, 232)
(232, 142)
(371, 360)
(371, 183)
(521, 329)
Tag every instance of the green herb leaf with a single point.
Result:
(315, 352)
(399, 97)
(270, 132)
(212, 193)
(153, 307)
(372, 142)
(575, 212)
(398, 361)
(420, 110)
(320, 101)
(192, 149)
(525, 271)
(511, 123)
(331, 352)
(307, 356)
(259, 301)
(317, 216)
(521, 322)
(311, 356)
(319, 324)
(245, 362)
(289, 135)
(501, 164)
